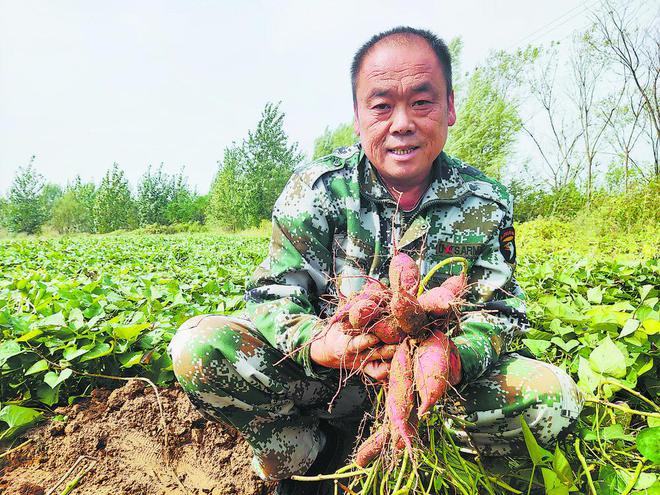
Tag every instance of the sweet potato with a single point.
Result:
(371, 291)
(455, 284)
(400, 395)
(409, 314)
(371, 447)
(387, 330)
(404, 274)
(364, 312)
(438, 300)
(431, 370)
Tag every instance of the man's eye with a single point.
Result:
(421, 103)
(380, 106)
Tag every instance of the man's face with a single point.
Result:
(402, 112)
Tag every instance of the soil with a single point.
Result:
(122, 431)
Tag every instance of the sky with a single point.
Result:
(85, 83)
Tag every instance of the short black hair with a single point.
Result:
(437, 44)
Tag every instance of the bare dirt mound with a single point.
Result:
(122, 431)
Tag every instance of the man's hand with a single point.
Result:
(334, 349)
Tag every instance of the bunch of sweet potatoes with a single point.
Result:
(425, 360)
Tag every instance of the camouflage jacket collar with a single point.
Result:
(447, 185)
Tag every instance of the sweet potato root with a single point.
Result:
(409, 314)
(431, 370)
(438, 300)
(364, 312)
(400, 395)
(404, 274)
(388, 331)
(371, 447)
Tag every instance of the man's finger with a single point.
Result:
(362, 342)
(384, 352)
(378, 370)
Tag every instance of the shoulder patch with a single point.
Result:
(508, 244)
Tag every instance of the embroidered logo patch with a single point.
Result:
(508, 244)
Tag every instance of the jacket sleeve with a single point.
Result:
(283, 294)
(498, 313)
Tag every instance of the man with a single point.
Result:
(341, 218)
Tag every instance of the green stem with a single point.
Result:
(633, 392)
(334, 476)
(404, 465)
(583, 461)
(634, 479)
(453, 259)
(622, 408)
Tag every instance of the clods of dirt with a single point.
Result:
(122, 431)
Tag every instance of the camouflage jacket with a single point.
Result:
(335, 222)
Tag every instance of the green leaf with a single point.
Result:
(129, 332)
(537, 453)
(54, 320)
(39, 366)
(538, 347)
(630, 327)
(565, 346)
(608, 359)
(562, 468)
(71, 353)
(129, 359)
(595, 295)
(9, 349)
(648, 443)
(588, 378)
(53, 379)
(652, 421)
(99, 350)
(644, 291)
(30, 335)
(17, 417)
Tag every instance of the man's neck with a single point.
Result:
(408, 195)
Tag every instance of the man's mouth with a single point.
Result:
(403, 151)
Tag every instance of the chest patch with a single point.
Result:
(466, 250)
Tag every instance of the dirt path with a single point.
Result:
(121, 430)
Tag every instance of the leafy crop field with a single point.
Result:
(73, 309)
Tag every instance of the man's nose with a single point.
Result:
(402, 122)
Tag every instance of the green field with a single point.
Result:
(70, 307)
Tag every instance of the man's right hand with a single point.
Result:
(332, 348)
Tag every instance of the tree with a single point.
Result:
(588, 68)
(49, 196)
(487, 121)
(26, 211)
(155, 191)
(342, 135)
(74, 210)
(636, 49)
(113, 206)
(186, 205)
(253, 174)
(559, 151)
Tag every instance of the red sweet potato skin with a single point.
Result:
(371, 447)
(388, 331)
(364, 312)
(436, 301)
(455, 284)
(404, 274)
(409, 314)
(431, 370)
(400, 395)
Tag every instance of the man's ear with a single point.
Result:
(356, 121)
(451, 111)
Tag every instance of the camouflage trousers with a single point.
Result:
(232, 374)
